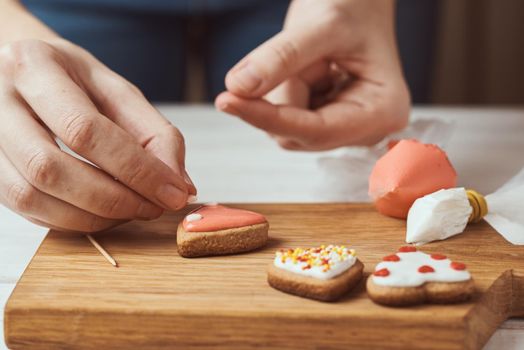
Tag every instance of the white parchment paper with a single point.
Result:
(506, 209)
(346, 173)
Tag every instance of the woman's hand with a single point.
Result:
(331, 78)
(54, 89)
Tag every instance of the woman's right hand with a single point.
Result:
(54, 89)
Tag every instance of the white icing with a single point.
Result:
(404, 273)
(338, 264)
(438, 215)
(193, 217)
(211, 204)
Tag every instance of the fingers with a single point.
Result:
(300, 89)
(47, 168)
(361, 115)
(292, 92)
(288, 121)
(123, 103)
(274, 61)
(18, 195)
(70, 114)
(44, 224)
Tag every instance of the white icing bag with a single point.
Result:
(445, 213)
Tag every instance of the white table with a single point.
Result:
(232, 162)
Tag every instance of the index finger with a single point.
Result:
(279, 58)
(65, 108)
(128, 108)
(284, 120)
(341, 123)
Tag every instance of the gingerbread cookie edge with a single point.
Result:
(222, 242)
(313, 288)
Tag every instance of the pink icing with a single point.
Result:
(218, 217)
(408, 171)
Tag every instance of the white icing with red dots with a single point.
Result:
(406, 272)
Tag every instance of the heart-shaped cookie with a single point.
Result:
(215, 229)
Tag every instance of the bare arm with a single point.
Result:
(18, 24)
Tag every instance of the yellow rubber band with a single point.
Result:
(478, 204)
(475, 208)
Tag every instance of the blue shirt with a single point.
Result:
(172, 6)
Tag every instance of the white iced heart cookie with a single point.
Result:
(324, 273)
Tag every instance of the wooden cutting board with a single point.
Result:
(70, 297)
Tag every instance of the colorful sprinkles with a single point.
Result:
(324, 256)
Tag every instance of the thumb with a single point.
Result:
(274, 61)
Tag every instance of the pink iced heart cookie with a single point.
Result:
(214, 229)
(216, 217)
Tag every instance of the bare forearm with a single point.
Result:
(16, 23)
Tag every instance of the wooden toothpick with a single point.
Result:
(102, 251)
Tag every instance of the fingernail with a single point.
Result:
(171, 197)
(226, 107)
(148, 211)
(247, 77)
(188, 179)
(191, 199)
(223, 106)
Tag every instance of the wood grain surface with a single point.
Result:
(71, 297)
